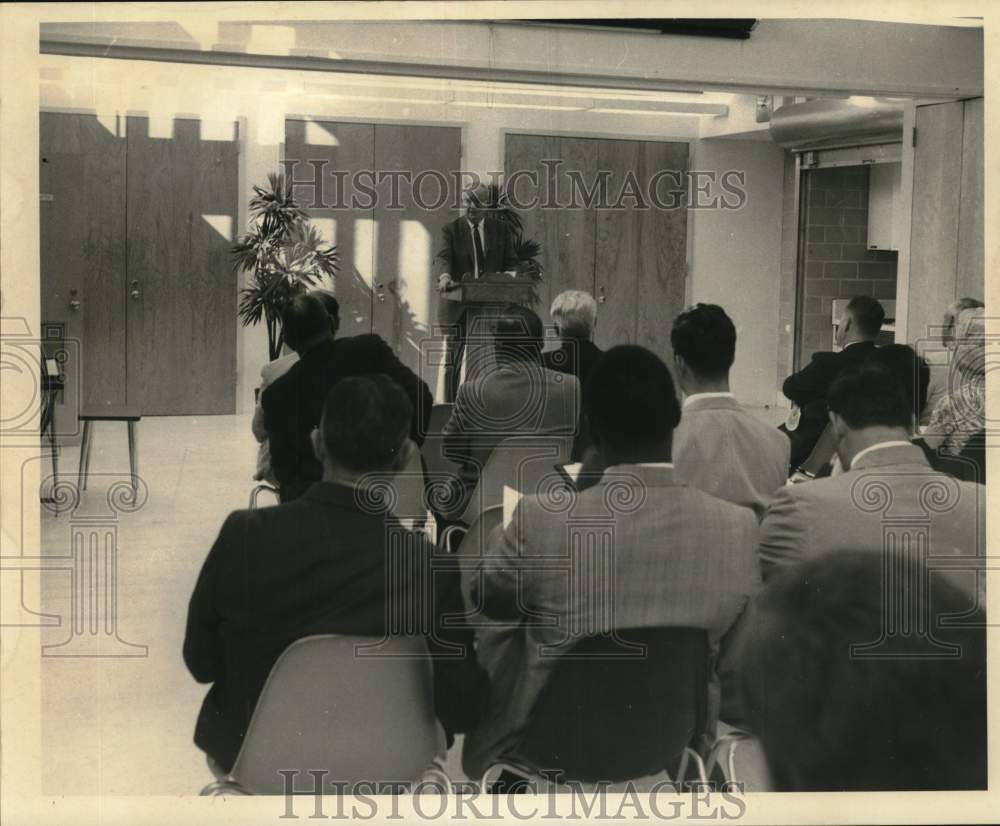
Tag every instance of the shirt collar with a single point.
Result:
(879, 446)
(720, 394)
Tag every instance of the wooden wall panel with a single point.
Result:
(409, 235)
(340, 151)
(617, 254)
(937, 173)
(181, 216)
(971, 269)
(577, 227)
(662, 249)
(82, 178)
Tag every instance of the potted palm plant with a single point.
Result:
(527, 250)
(283, 255)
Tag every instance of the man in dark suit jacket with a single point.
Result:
(472, 246)
(293, 403)
(322, 565)
(856, 335)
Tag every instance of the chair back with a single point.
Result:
(622, 706)
(359, 708)
(524, 463)
(441, 471)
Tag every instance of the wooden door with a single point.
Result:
(82, 206)
(629, 252)
(181, 193)
(336, 162)
(409, 231)
(661, 246)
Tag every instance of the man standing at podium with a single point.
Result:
(472, 246)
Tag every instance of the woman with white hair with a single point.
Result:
(960, 414)
(574, 313)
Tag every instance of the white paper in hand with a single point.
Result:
(510, 499)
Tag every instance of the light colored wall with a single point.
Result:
(735, 259)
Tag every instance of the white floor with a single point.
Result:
(123, 725)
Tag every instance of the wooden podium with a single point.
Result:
(493, 288)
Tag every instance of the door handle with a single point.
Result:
(602, 297)
(74, 302)
(134, 289)
(380, 292)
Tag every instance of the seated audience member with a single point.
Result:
(830, 718)
(292, 404)
(807, 388)
(676, 557)
(268, 374)
(518, 397)
(960, 414)
(321, 565)
(939, 359)
(575, 315)
(886, 479)
(719, 447)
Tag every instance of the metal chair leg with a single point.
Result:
(85, 455)
(133, 454)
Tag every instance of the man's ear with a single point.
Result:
(404, 455)
(838, 424)
(316, 439)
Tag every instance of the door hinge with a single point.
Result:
(913, 136)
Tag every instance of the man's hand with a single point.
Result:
(445, 282)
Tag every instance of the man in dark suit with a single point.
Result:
(323, 565)
(856, 335)
(293, 403)
(519, 397)
(472, 246)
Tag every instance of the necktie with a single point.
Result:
(480, 255)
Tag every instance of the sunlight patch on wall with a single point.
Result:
(222, 224)
(415, 267)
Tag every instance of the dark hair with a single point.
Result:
(870, 396)
(329, 302)
(912, 372)
(829, 717)
(518, 333)
(304, 318)
(365, 421)
(705, 337)
(867, 313)
(629, 398)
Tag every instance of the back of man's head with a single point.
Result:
(630, 402)
(705, 337)
(304, 322)
(911, 371)
(366, 420)
(870, 396)
(830, 712)
(331, 305)
(868, 316)
(575, 313)
(518, 334)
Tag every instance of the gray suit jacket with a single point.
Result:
(890, 495)
(674, 556)
(726, 451)
(521, 400)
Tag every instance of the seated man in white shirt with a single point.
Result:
(888, 495)
(719, 447)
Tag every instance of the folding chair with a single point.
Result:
(739, 757)
(263, 487)
(616, 708)
(358, 708)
